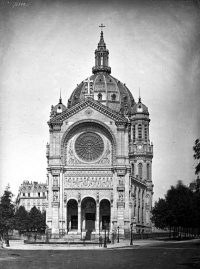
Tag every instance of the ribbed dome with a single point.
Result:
(103, 87)
(106, 89)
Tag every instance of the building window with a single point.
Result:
(140, 170)
(140, 131)
(148, 171)
(145, 132)
(38, 194)
(99, 97)
(113, 97)
(132, 168)
(133, 132)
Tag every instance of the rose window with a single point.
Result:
(89, 146)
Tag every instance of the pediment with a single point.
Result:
(89, 102)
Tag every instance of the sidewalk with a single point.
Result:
(19, 244)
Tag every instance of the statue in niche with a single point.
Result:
(79, 197)
(121, 181)
(65, 196)
(111, 198)
(55, 181)
(55, 196)
(121, 196)
(97, 197)
(71, 154)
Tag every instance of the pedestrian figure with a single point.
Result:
(35, 237)
(100, 241)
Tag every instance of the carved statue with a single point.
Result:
(55, 196)
(121, 196)
(79, 197)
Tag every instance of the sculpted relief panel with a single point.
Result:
(88, 182)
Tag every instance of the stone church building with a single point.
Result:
(99, 157)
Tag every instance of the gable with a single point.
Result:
(89, 102)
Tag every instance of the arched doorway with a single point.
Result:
(72, 215)
(104, 214)
(88, 214)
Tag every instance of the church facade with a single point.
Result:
(99, 157)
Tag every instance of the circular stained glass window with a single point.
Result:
(89, 146)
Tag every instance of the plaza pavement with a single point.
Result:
(19, 244)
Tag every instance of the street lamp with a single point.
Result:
(131, 243)
(118, 235)
(105, 246)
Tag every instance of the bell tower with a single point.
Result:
(141, 155)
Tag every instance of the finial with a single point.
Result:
(139, 96)
(60, 100)
(101, 26)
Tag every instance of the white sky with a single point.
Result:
(48, 45)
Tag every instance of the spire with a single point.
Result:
(139, 99)
(60, 100)
(101, 56)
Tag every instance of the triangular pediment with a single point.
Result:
(89, 102)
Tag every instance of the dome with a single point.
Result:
(139, 108)
(106, 89)
(103, 87)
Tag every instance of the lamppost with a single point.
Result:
(118, 234)
(131, 243)
(105, 245)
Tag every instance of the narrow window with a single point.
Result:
(132, 166)
(140, 131)
(145, 132)
(140, 170)
(148, 171)
(133, 132)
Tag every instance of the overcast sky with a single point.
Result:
(48, 45)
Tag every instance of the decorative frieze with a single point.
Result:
(88, 182)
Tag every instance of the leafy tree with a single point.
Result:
(6, 212)
(21, 219)
(37, 219)
(159, 216)
(196, 155)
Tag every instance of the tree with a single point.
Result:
(37, 219)
(7, 211)
(159, 214)
(21, 219)
(178, 210)
(196, 155)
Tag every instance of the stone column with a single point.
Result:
(97, 218)
(79, 218)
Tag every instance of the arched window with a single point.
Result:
(99, 97)
(113, 97)
(140, 170)
(148, 171)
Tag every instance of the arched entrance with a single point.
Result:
(88, 214)
(72, 215)
(104, 214)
